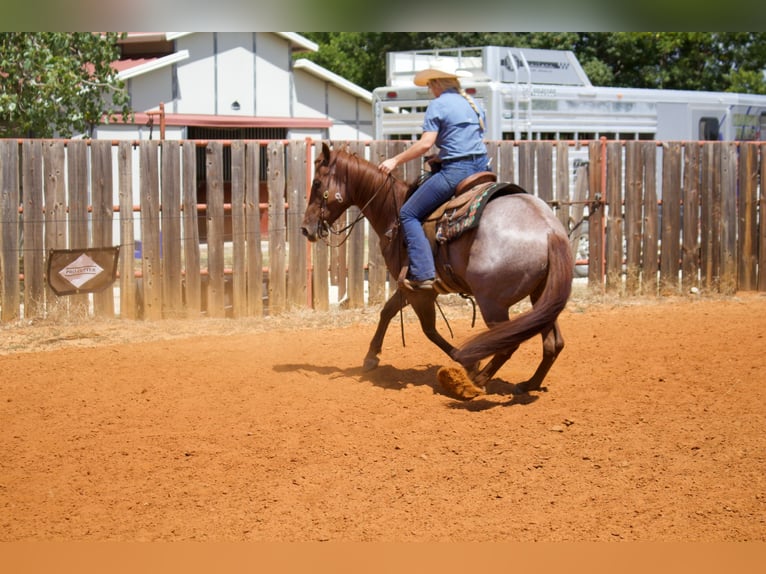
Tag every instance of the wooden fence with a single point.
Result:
(657, 218)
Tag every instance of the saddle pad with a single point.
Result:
(464, 211)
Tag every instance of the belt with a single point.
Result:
(464, 157)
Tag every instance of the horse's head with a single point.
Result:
(328, 199)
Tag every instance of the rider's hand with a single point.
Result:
(388, 165)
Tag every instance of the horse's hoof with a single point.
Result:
(370, 364)
(455, 380)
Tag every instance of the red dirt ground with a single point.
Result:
(652, 429)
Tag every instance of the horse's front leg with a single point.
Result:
(394, 304)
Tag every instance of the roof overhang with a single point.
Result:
(328, 76)
(154, 64)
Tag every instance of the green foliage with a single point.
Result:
(714, 61)
(58, 84)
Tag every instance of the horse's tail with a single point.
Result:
(558, 286)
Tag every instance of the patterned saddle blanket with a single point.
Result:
(463, 212)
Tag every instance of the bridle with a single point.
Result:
(324, 225)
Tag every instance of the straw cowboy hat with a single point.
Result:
(440, 68)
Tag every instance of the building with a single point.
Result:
(235, 85)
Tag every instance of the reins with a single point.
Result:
(350, 227)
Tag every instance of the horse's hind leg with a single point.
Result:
(553, 343)
(394, 304)
(493, 366)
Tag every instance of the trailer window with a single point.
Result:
(709, 129)
(762, 126)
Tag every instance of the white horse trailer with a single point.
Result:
(532, 94)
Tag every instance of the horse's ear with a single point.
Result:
(325, 152)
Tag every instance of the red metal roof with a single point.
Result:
(219, 121)
(128, 63)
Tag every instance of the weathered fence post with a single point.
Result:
(690, 199)
(54, 157)
(253, 255)
(670, 255)
(296, 204)
(614, 221)
(33, 251)
(649, 247)
(128, 299)
(172, 274)
(150, 231)
(10, 197)
(277, 231)
(191, 247)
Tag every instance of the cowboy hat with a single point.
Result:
(439, 68)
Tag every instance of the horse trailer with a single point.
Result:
(533, 94)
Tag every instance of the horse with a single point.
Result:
(519, 249)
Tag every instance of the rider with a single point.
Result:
(455, 124)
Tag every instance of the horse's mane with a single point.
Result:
(358, 170)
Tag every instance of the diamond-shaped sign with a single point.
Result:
(81, 270)
(72, 271)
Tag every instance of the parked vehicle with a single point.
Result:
(533, 94)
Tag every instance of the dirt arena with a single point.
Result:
(651, 429)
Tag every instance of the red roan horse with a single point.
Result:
(519, 249)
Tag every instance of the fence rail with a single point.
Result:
(645, 217)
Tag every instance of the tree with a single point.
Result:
(58, 84)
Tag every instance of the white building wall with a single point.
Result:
(148, 90)
(235, 73)
(196, 76)
(317, 98)
(272, 76)
(310, 95)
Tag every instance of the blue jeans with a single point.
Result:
(431, 194)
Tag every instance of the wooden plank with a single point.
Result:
(690, 243)
(296, 205)
(376, 265)
(102, 218)
(238, 231)
(577, 225)
(77, 205)
(762, 221)
(320, 262)
(170, 219)
(595, 218)
(150, 231)
(561, 192)
(356, 246)
(253, 254)
(277, 231)
(707, 230)
(670, 252)
(216, 296)
(544, 159)
(614, 221)
(747, 225)
(54, 183)
(10, 198)
(191, 247)
(507, 169)
(128, 299)
(527, 166)
(633, 215)
(33, 251)
(649, 247)
(728, 283)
